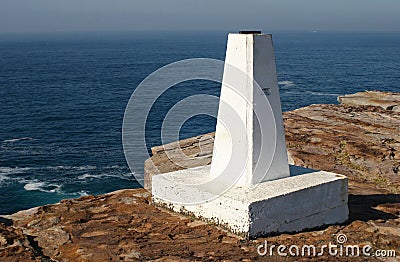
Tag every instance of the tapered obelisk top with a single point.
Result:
(250, 138)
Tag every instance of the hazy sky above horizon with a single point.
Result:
(110, 15)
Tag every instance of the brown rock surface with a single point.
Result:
(191, 152)
(361, 142)
(108, 228)
(386, 100)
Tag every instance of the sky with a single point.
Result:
(126, 15)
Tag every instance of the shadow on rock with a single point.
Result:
(6, 221)
(374, 207)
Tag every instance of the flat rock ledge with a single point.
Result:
(360, 141)
(355, 139)
(386, 100)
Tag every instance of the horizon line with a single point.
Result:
(200, 31)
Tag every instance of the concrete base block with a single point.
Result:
(305, 200)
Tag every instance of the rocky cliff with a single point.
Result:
(358, 138)
(354, 138)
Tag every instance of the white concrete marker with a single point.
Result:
(249, 188)
(249, 86)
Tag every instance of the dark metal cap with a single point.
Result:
(249, 32)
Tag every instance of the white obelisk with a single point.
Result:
(250, 81)
(248, 188)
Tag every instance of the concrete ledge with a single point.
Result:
(306, 199)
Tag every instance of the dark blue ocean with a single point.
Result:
(63, 96)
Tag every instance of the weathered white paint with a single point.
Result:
(241, 138)
(306, 200)
(252, 197)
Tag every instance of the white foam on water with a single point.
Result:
(13, 170)
(311, 93)
(19, 170)
(79, 168)
(33, 186)
(83, 193)
(322, 94)
(127, 176)
(114, 166)
(286, 83)
(3, 178)
(86, 176)
(17, 139)
(55, 167)
(83, 167)
(43, 187)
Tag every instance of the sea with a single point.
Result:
(63, 98)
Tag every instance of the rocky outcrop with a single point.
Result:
(15, 245)
(191, 152)
(386, 100)
(361, 142)
(124, 226)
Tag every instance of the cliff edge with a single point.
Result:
(356, 138)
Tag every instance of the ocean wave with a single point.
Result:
(286, 83)
(13, 170)
(78, 168)
(42, 186)
(84, 168)
(115, 167)
(310, 93)
(322, 94)
(3, 178)
(33, 186)
(127, 176)
(86, 176)
(18, 170)
(17, 139)
(83, 193)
